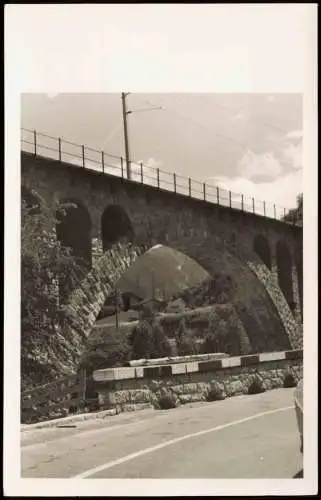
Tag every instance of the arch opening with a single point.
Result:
(262, 249)
(115, 227)
(284, 266)
(74, 230)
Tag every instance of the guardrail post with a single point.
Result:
(83, 155)
(264, 208)
(158, 178)
(230, 198)
(103, 161)
(242, 202)
(253, 205)
(122, 167)
(204, 191)
(174, 176)
(190, 187)
(35, 141)
(59, 148)
(274, 211)
(218, 195)
(141, 174)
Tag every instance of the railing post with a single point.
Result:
(218, 195)
(83, 155)
(204, 191)
(284, 211)
(103, 161)
(274, 211)
(190, 187)
(158, 178)
(264, 208)
(59, 148)
(253, 205)
(174, 176)
(122, 167)
(242, 202)
(230, 198)
(35, 141)
(141, 173)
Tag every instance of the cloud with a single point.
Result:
(293, 155)
(295, 134)
(282, 191)
(259, 165)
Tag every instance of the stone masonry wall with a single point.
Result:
(210, 234)
(190, 382)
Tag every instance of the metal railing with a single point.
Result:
(92, 159)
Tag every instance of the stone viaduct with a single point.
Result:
(110, 210)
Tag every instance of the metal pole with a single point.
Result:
(158, 178)
(174, 176)
(190, 186)
(83, 156)
(253, 205)
(125, 113)
(35, 141)
(204, 191)
(103, 161)
(242, 202)
(230, 198)
(218, 195)
(59, 148)
(141, 173)
(264, 207)
(274, 211)
(122, 167)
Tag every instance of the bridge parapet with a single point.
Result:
(134, 388)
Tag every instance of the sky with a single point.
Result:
(247, 143)
(229, 77)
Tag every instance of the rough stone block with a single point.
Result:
(271, 356)
(124, 373)
(179, 368)
(230, 362)
(192, 367)
(104, 375)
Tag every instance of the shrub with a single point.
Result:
(289, 381)
(256, 387)
(166, 402)
(215, 394)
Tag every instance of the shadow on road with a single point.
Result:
(298, 474)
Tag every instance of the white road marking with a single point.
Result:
(140, 453)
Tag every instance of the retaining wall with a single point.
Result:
(134, 388)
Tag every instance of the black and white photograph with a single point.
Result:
(159, 328)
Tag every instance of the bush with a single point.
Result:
(256, 387)
(166, 402)
(289, 381)
(215, 394)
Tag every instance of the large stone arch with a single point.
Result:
(86, 302)
(284, 267)
(115, 226)
(262, 248)
(74, 228)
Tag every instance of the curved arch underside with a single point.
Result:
(256, 296)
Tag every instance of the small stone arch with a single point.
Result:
(73, 229)
(284, 267)
(262, 248)
(115, 226)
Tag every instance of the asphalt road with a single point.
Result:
(241, 437)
